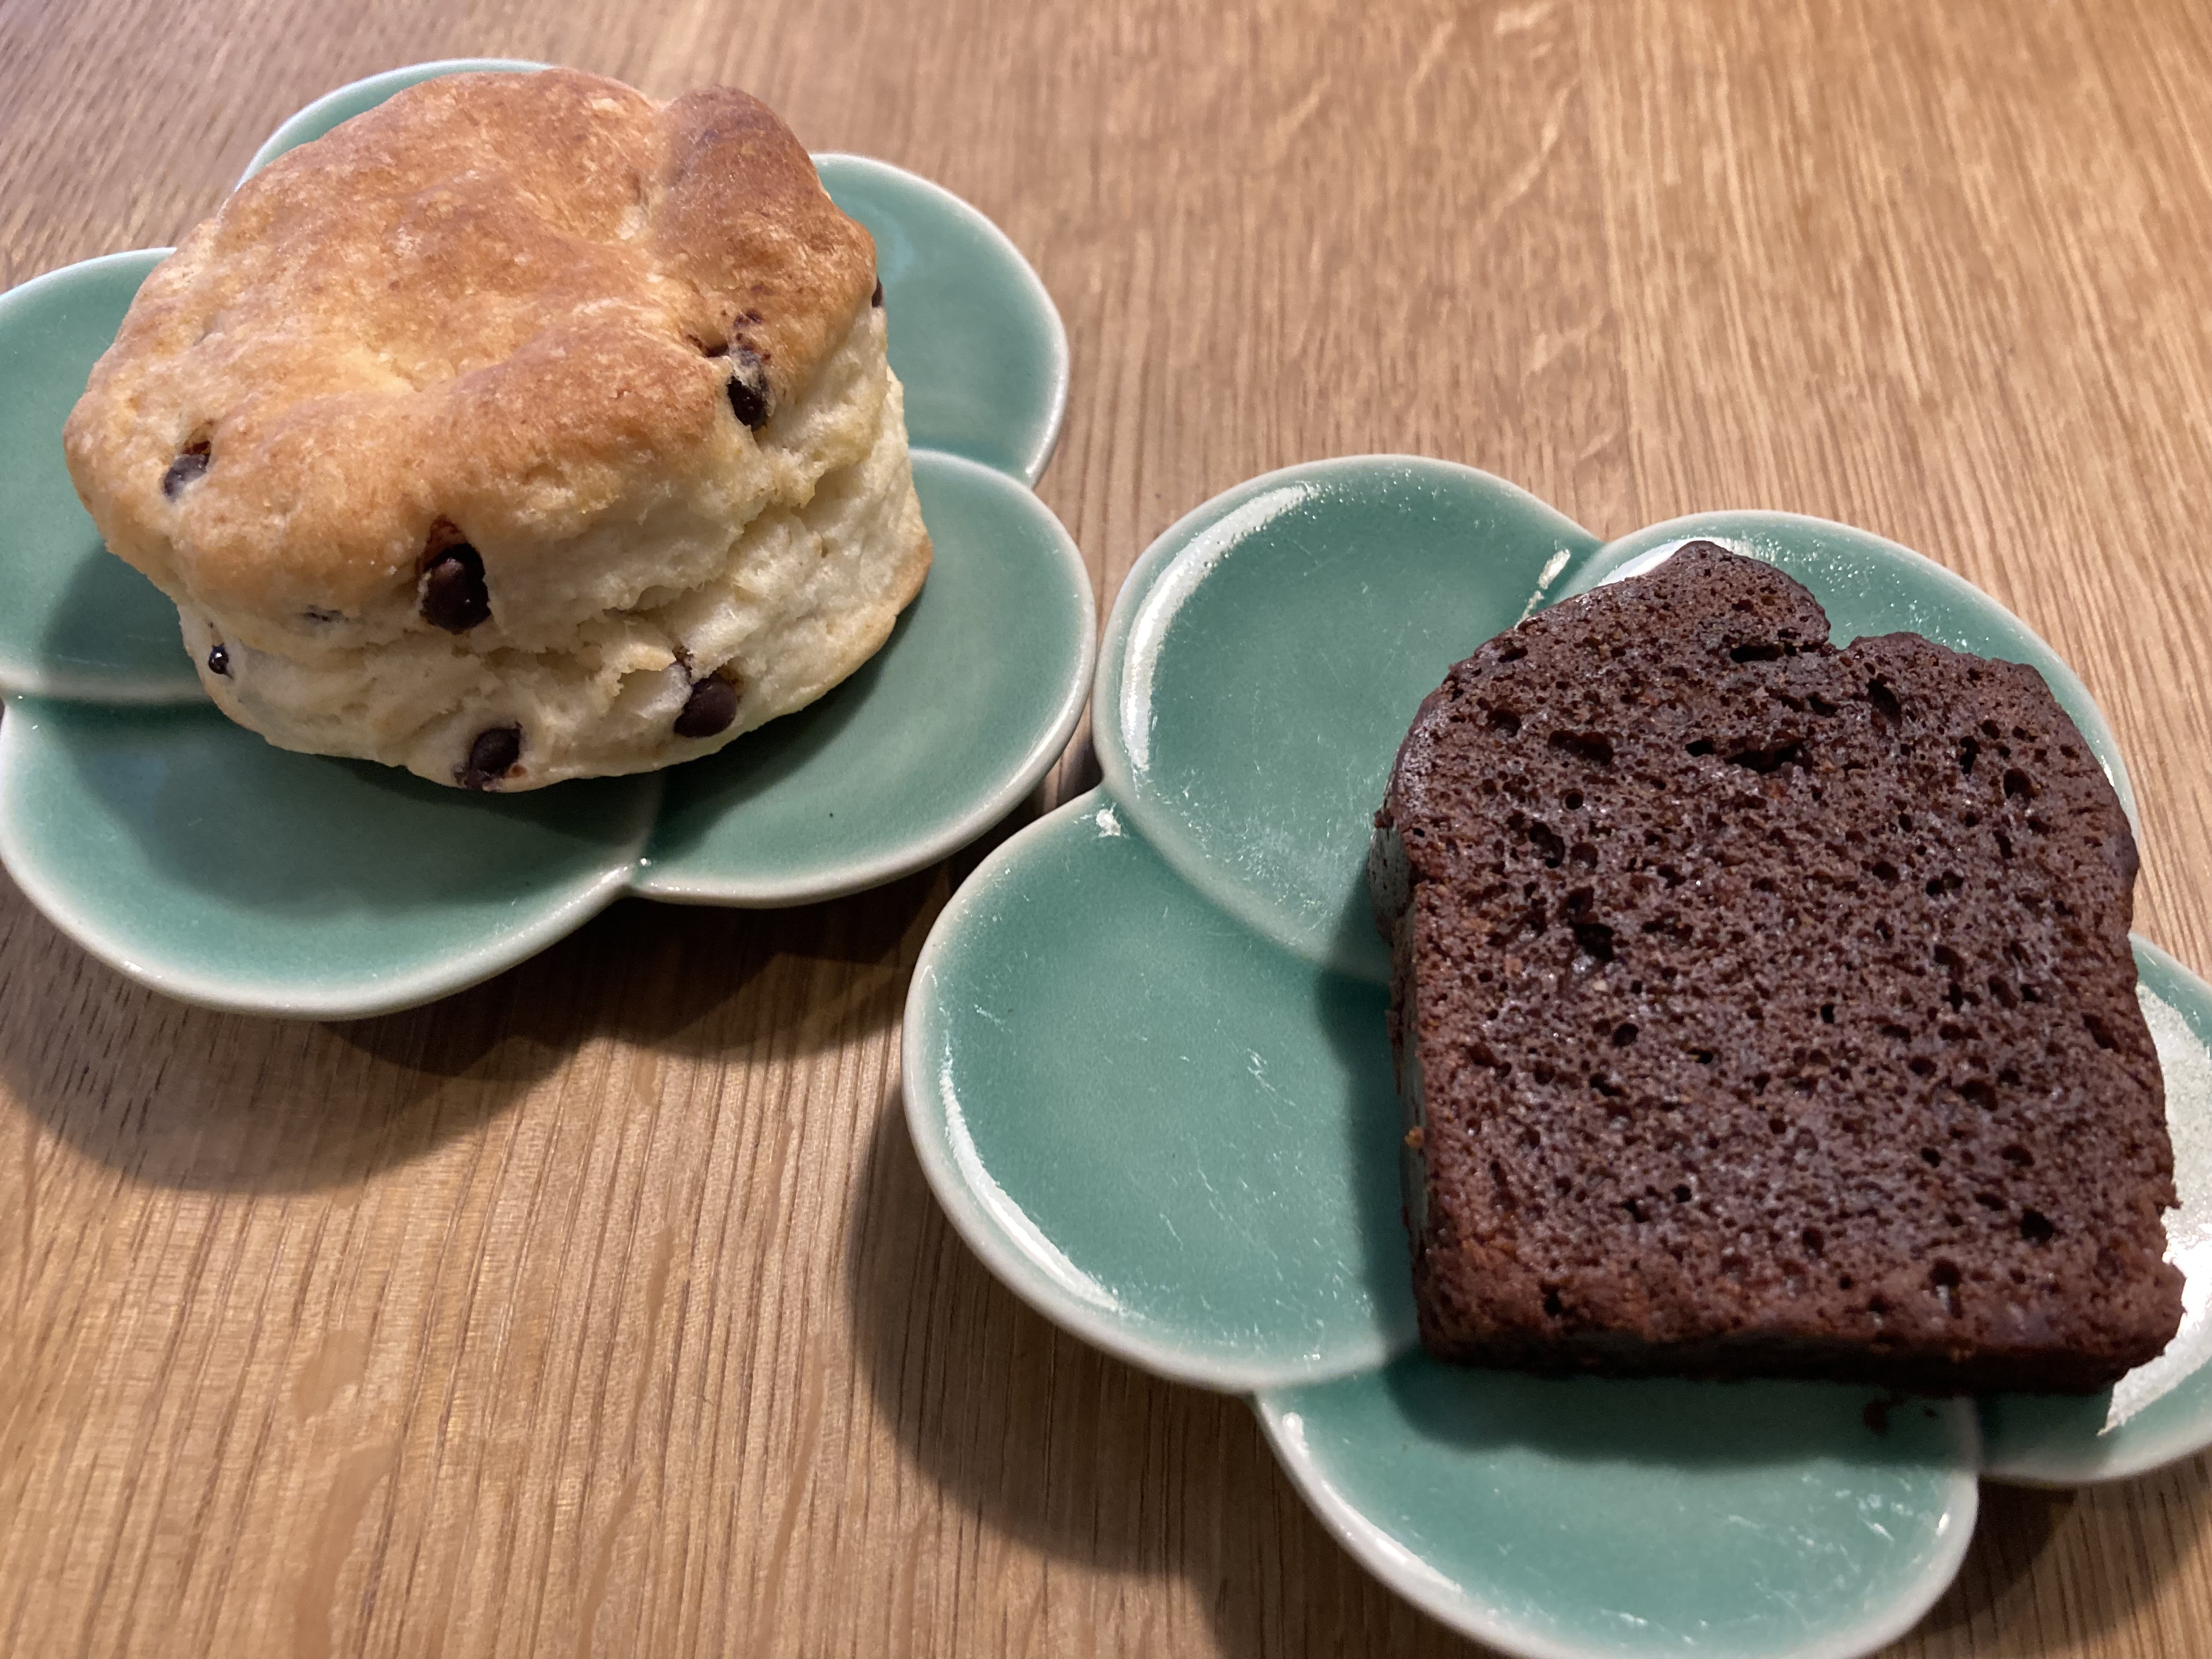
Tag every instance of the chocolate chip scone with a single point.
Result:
(521, 428)
(1767, 1007)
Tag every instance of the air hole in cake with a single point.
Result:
(1702, 747)
(1547, 842)
(2100, 1032)
(1977, 1091)
(1812, 1240)
(1930, 1157)
(2001, 993)
(2018, 1154)
(1945, 1276)
(1624, 1033)
(1574, 801)
(1944, 885)
(1827, 1013)
(2018, 784)
(1968, 749)
(1595, 940)
(2009, 1077)
(1885, 702)
(190, 463)
(1819, 705)
(1883, 869)
(2036, 1227)
(1593, 748)
(1681, 1194)
(1553, 1308)
(1956, 996)
(1990, 1201)
(1920, 1065)
(1761, 651)
(1506, 722)
(1512, 653)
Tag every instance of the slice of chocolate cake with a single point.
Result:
(1767, 1009)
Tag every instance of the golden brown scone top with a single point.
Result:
(508, 302)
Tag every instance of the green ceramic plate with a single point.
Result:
(192, 856)
(1146, 1073)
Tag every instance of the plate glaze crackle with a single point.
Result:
(1197, 1169)
(192, 856)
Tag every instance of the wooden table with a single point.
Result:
(603, 1309)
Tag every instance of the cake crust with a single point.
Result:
(1767, 1008)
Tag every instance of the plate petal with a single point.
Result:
(1169, 1135)
(78, 621)
(1268, 654)
(1574, 1519)
(974, 338)
(192, 856)
(933, 740)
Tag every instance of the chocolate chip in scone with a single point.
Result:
(491, 758)
(218, 659)
(186, 468)
(877, 298)
(711, 707)
(453, 596)
(749, 389)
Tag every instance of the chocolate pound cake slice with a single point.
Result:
(1765, 1008)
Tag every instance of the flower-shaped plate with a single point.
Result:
(193, 856)
(1147, 1075)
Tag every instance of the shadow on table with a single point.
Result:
(2115, 1545)
(1056, 1445)
(180, 1097)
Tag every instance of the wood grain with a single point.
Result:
(603, 1309)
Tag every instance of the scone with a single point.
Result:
(1767, 1008)
(521, 428)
